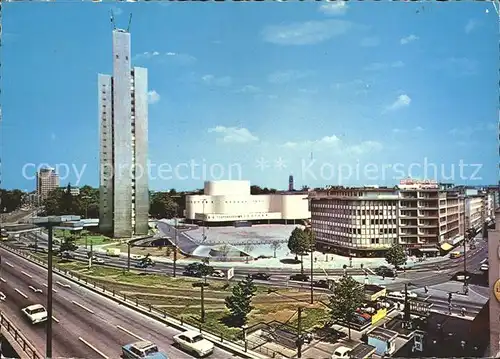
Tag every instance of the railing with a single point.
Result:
(19, 338)
(180, 323)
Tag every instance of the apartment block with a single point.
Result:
(494, 283)
(47, 180)
(123, 106)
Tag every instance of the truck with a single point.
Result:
(113, 252)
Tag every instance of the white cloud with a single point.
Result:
(364, 147)
(469, 130)
(325, 142)
(401, 102)
(336, 8)
(234, 134)
(379, 66)
(212, 80)
(153, 97)
(249, 89)
(398, 130)
(305, 33)
(410, 38)
(470, 26)
(370, 42)
(180, 59)
(281, 77)
(418, 129)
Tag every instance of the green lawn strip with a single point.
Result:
(311, 318)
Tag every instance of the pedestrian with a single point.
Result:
(462, 311)
(426, 289)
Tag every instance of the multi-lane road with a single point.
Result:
(85, 324)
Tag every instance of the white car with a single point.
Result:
(36, 313)
(98, 260)
(218, 273)
(193, 342)
(341, 352)
(484, 267)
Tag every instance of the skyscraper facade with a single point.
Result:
(47, 180)
(123, 106)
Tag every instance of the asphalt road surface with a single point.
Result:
(85, 323)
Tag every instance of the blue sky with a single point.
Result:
(333, 93)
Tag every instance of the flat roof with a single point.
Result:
(362, 350)
(383, 334)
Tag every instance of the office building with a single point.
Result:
(226, 202)
(47, 180)
(366, 221)
(290, 183)
(123, 114)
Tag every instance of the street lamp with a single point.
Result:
(204, 235)
(50, 223)
(175, 242)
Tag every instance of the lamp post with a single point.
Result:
(204, 235)
(175, 246)
(465, 249)
(50, 223)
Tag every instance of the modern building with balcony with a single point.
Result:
(366, 221)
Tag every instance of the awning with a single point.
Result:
(446, 247)
(428, 250)
(457, 239)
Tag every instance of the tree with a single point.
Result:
(162, 205)
(298, 245)
(11, 200)
(348, 295)
(240, 301)
(396, 255)
(68, 244)
(275, 245)
(247, 249)
(224, 250)
(311, 239)
(205, 270)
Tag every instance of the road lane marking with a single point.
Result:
(2, 296)
(27, 274)
(82, 306)
(55, 319)
(3, 280)
(93, 347)
(63, 285)
(46, 286)
(24, 295)
(36, 290)
(10, 265)
(130, 333)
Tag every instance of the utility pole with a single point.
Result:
(465, 253)
(175, 247)
(202, 302)
(299, 333)
(407, 306)
(91, 254)
(48, 347)
(128, 256)
(204, 235)
(312, 273)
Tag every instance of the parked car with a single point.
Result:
(260, 276)
(300, 277)
(143, 349)
(218, 273)
(341, 352)
(98, 260)
(193, 342)
(484, 267)
(36, 313)
(67, 255)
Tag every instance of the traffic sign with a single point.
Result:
(496, 290)
(230, 273)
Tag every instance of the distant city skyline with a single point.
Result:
(356, 84)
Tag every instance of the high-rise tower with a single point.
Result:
(123, 117)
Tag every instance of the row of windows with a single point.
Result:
(229, 217)
(241, 202)
(385, 221)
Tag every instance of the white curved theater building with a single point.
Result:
(231, 201)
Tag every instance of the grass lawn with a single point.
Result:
(85, 237)
(178, 298)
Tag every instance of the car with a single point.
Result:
(193, 342)
(384, 271)
(67, 255)
(260, 276)
(99, 260)
(300, 277)
(321, 284)
(218, 273)
(341, 352)
(193, 270)
(484, 267)
(143, 349)
(36, 313)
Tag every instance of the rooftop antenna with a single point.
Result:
(129, 21)
(112, 18)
